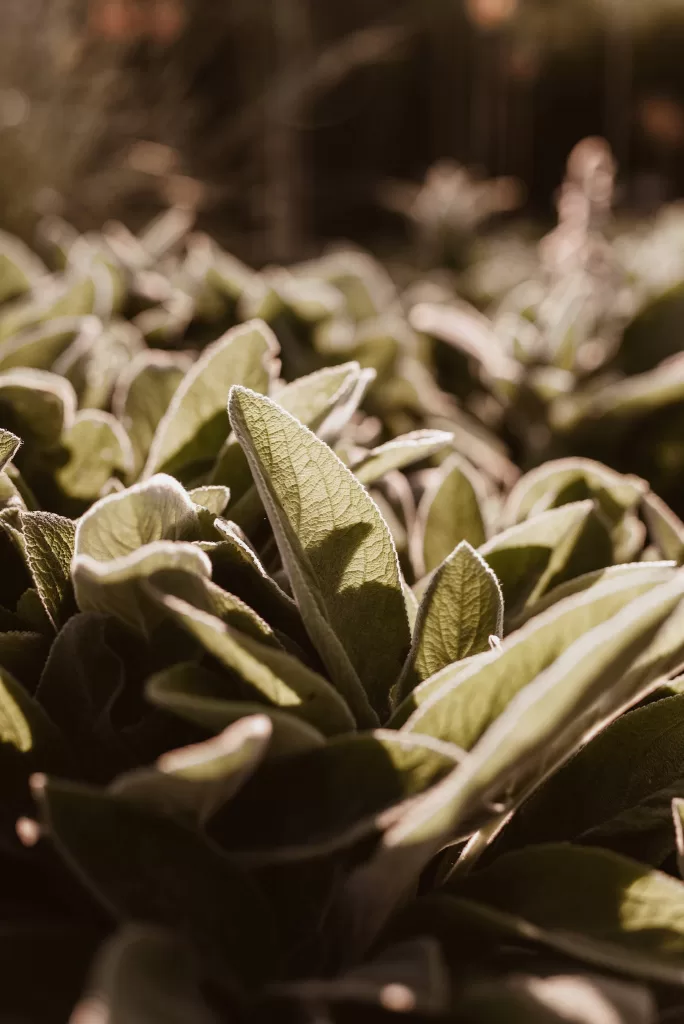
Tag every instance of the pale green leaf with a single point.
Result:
(9, 446)
(633, 913)
(197, 695)
(36, 405)
(214, 498)
(666, 528)
(98, 448)
(194, 782)
(195, 424)
(546, 550)
(143, 394)
(462, 608)
(331, 797)
(273, 676)
(464, 705)
(49, 545)
(569, 480)
(678, 819)
(397, 454)
(450, 511)
(335, 547)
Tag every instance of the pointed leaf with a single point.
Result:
(401, 452)
(270, 675)
(143, 394)
(464, 705)
(450, 511)
(9, 446)
(335, 547)
(202, 697)
(195, 425)
(461, 609)
(49, 542)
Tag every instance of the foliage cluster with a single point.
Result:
(313, 706)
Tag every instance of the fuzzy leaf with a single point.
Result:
(98, 448)
(143, 395)
(49, 543)
(461, 609)
(194, 782)
(666, 528)
(546, 550)
(450, 511)
(195, 425)
(571, 480)
(202, 697)
(335, 547)
(9, 446)
(614, 781)
(627, 911)
(397, 454)
(463, 706)
(36, 405)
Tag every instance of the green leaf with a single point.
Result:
(127, 537)
(324, 401)
(195, 425)
(41, 345)
(213, 498)
(666, 528)
(609, 668)
(579, 584)
(627, 911)
(158, 509)
(336, 550)
(546, 550)
(236, 567)
(465, 705)
(195, 782)
(202, 697)
(325, 799)
(143, 394)
(571, 480)
(98, 448)
(153, 868)
(146, 975)
(461, 609)
(614, 791)
(399, 453)
(9, 446)
(36, 405)
(205, 596)
(270, 675)
(449, 512)
(23, 655)
(49, 544)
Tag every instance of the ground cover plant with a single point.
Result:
(339, 680)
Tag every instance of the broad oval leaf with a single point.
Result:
(98, 448)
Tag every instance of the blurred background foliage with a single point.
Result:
(284, 123)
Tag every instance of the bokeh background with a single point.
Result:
(286, 123)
